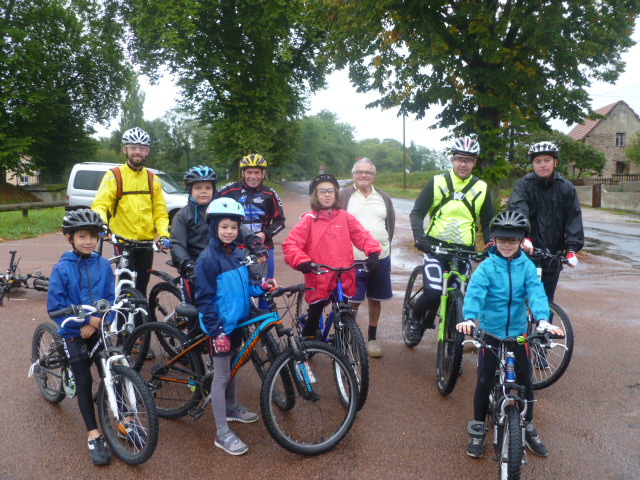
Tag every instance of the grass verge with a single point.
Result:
(13, 226)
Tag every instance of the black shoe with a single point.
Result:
(534, 442)
(100, 454)
(477, 432)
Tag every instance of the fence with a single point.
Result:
(612, 180)
(25, 207)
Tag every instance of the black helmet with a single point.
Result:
(510, 224)
(82, 219)
(323, 177)
(200, 173)
(543, 148)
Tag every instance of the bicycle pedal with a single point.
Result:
(195, 413)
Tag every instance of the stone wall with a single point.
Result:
(628, 201)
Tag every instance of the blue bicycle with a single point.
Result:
(346, 336)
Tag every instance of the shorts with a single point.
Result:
(376, 285)
(78, 348)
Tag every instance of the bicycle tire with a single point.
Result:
(449, 354)
(141, 317)
(349, 341)
(48, 372)
(511, 445)
(163, 300)
(301, 312)
(557, 358)
(262, 356)
(135, 406)
(412, 333)
(314, 425)
(175, 388)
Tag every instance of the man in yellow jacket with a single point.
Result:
(131, 200)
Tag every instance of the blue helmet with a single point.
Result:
(200, 173)
(225, 207)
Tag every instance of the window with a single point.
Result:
(88, 179)
(620, 168)
(619, 139)
(24, 180)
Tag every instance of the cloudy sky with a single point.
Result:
(339, 97)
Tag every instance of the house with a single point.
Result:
(611, 134)
(21, 180)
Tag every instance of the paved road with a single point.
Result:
(590, 419)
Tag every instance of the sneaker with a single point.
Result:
(241, 414)
(231, 444)
(414, 331)
(534, 442)
(373, 349)
(540, 360)
(100, 454)
(477, 433)
(133, 433)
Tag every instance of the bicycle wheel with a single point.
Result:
(262, 357)
(412, 331)
(132, 430)
(510, 442)
(349, 341)
(125, 317)
(48, 372)
(301, 312)
(174, 385)
(548, 364)
(163, 300)
(449, 355)
(319, 419)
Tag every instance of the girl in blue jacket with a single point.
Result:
(223, 292)
(82, 277)
(499, 292)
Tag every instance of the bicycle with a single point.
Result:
(347, 337)
(454, 284)
(301, 405)
(13, 279)
(122, 395)
(507, 405)
(550, 361)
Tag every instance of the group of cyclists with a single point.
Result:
(217, 228)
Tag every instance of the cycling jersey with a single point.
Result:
(262, 208)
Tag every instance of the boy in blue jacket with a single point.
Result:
(501, 289)
(223, 292)
(82, 277)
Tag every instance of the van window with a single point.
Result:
(88, 179)
(169, 185)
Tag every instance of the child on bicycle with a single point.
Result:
(222, 297)
(326, 235)
(189, 229)
(501, 289)
(82, 277)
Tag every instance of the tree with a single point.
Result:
(61, 70)
(633, 150)
(244, 67)
(495, 66)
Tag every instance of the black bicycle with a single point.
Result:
(122, 397)
(13, 279)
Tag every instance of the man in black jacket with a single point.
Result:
(551, 204)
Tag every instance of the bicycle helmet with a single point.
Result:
(543, 148)
(136, 135)
(254, 160)
(465, 146)
(225, 207)
(323, 177)
(83, 219)
(200, 173)
(510, 224)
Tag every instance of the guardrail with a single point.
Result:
(25, 207)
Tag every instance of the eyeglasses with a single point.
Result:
(363, 172)
(326, 191)
(138, 147)
(464, 159)
(508, 241)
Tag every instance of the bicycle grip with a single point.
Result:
(65, 312)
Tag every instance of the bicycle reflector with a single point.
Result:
(521, 340)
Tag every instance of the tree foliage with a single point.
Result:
(633, 150)
(494, 66)
(61, 70)
(245, 67)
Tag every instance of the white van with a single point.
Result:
(85, 179)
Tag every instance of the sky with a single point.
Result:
(350, 107)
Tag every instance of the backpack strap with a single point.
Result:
(117, 173)
(453, 195)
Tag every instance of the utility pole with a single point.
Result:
(404, 153)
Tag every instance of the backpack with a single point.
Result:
(118, 174)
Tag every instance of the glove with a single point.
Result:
(187, 269)
(423, 245)
(373, 262)
(466, 327)
(164, 242)
(545, 326)
(305, 267)
(262, 254)
(269, 284)
(527, 245)
(572, 258)
(222, 344)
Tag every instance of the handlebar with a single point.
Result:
(339, 270)
(541, 254)
(459, 252)
(78, 313)
(278, 292)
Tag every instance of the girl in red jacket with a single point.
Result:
(326, 235)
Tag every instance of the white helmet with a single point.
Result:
(136, 135)
(466, 146)
(225, 207)
(543, 148)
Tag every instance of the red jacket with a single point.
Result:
(327, 237)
